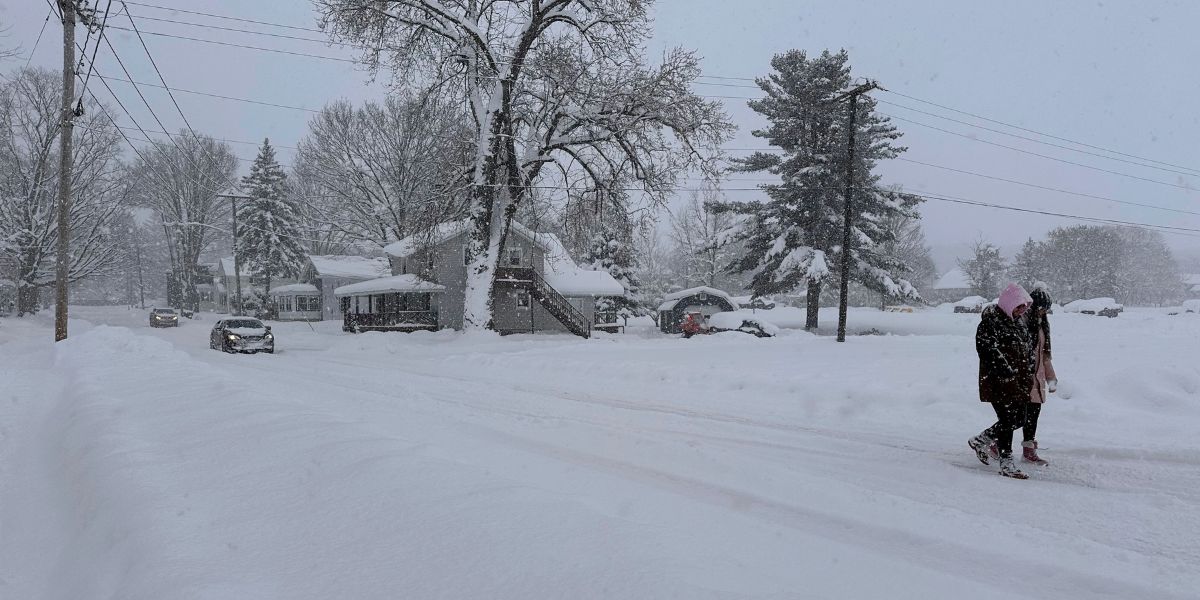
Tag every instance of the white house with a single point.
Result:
(953, 285)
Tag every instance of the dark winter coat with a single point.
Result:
(1005, 357)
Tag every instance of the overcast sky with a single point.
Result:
(1118, 75)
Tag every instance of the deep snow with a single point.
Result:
(136, 463)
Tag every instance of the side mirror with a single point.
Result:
(268, 327)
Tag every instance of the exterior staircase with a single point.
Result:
(555, 303)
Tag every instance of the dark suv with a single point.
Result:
(241, 334)
(164, 317)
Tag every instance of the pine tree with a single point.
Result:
(612, 251)
(793, 239)
(267, 222)
(984, 270)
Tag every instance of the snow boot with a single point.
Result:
(1008, 469)
(980, 445)
(1029, 453)
(994, 450)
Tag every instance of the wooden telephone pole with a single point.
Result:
(63, 261)
(848, 217)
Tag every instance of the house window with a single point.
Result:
(522, 299)
(514, 257)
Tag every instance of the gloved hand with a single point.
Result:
(1051, 385)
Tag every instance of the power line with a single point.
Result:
(251, 31)
(94, 50)
(246, 46)
(1026, 129)
(156, 70)
(1037, 141)
(1045, 188)
(228, 18)
(1187, 231)
(39, 38)
(1045, 156)
(219, 96)
(1007, 180)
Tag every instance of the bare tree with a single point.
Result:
(702, 239)
(383, 171)
(29, 118)
(549, 83)
(180, 182)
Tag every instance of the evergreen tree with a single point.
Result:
(1084, 261)
(1030, 265)
(794, 238)
(984, 270)
(612, 251)
(267, 222)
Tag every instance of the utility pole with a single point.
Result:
(63, 262)
(237, 267)
(847, 219)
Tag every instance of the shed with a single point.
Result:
(705, 300)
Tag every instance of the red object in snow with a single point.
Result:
(693, 323)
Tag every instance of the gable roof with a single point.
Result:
(350, 267)
(394, 284)
(446, 231)
(954, 279)
(560, 271)
(227, 267)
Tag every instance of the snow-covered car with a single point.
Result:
(241, 334)
(971, 304)
(729, 321)
(1103, 307)
(1191, 306)
(164, 317)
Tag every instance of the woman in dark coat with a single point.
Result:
(1005, 374)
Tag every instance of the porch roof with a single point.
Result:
(395, 284)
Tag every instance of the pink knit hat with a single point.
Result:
(1012, 297)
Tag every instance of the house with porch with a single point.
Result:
(322, 274)
(538, 287)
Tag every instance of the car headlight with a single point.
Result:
(233, 336)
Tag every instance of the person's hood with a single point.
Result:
(1012, 297)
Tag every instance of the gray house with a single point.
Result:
(538, 286)
(326, 273)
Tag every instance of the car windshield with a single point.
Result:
(164, 311)
(249, 323)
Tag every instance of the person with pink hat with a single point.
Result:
(1005, 374)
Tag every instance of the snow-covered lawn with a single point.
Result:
(137, 463)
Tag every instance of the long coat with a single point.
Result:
(1005, 353)
(1043, 366)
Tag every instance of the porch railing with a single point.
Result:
(397, 320)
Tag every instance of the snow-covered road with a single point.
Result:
(136, 463)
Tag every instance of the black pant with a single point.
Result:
(1032, 410)
(1010, 416)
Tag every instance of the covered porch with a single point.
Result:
(395, 303)
(297, 302)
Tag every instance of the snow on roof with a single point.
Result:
(1093, 304)
(445, 231)
(698, 290)
(954, 279)
(668, 305)
(972, 302)
(1191, 279)
(568, 278)
(295, 288)
(561, 272)
(394, 284)
(227, 267)
(350, 267)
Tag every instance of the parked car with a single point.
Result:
(1103, 307)
(241, 334)
(164, 317)
(971, 304)
(727, 321)
(1191, 306)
